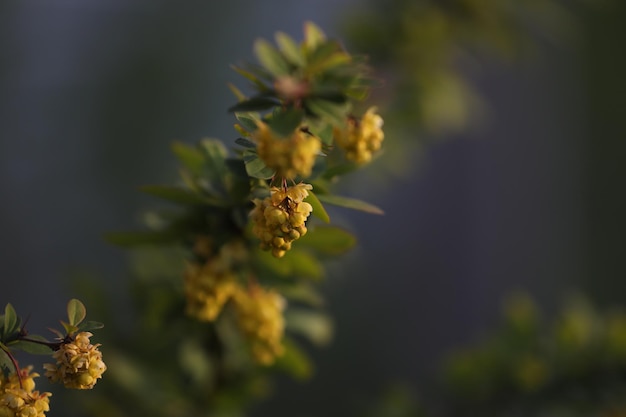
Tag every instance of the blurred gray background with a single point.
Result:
(93, 92)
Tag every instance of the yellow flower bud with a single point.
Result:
(260, 318)
(289, 157)
(361, 138)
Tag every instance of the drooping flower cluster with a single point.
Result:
(78, 363)
(21, 400)
(260, 318)
(210, 285)
(289, 157)
(362, 137)
(281, 218)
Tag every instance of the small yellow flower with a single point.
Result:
(79, 363)
(22, 400)
(361, 138)
(207, 290)
(260, 318)
(209, 286)
(281, 218)
(289, 157)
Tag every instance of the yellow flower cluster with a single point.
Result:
(21, 400)
(362, 137)
(79, 363)
(289, 157)
(260, 318)
(281, 218)
(210, 285)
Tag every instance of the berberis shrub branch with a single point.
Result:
(248, 233)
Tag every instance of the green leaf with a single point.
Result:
(69, 328)
(247, 121)
(246, 143)
(152, 237)
(302, 292)
(33, 347)
(190, 157)
(215, 169)
(313, 35)
(5, 361)
(289, 48)
(253, 77)
(284, 122)
(295, 263)
(11, 322)
(255, 103)
(351, 203)
(90, 325)
(174, 194)
(303, 264)
(331, 61)
(315, 326)
(328, 240)
(236, 92)
(295, 361)
(339, 170)
(255, 167)
(318, 209)
(336, 113)
(324, 131)
(76, 312)
(326, 56)
(271, 58)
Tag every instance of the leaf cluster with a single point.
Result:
(15, 337)
(574, 365)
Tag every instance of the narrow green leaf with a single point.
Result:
(236, 92)
(255, 103)
(339, 170)
(248, 121)
(174, 194)
(270, 58)
(76, 312)
(246, 143)
(33, 348)
(324, 131)
(90, 325)
(188, 156)
(284, 122)
(215, 153)
(5, 361)
(322, 53)
(11, 322)
(313, 35)
(252, 77)
(69, 328)
(331, 61)
(318, 209)
(351, 203)
(289, 48)
(336, 113)
(328, 240)
(294, 361)
(304, 264)
(315, 326)
(255, 167)
(302, 292)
